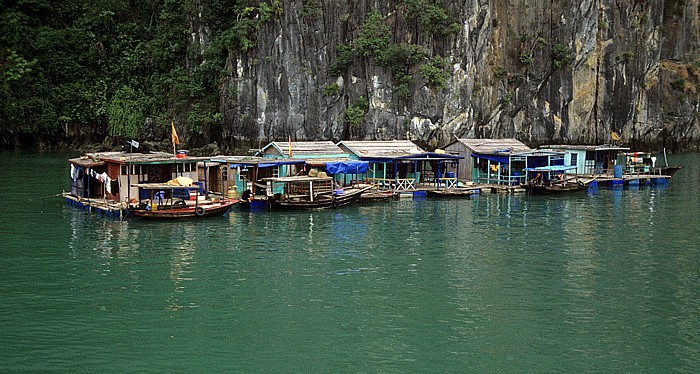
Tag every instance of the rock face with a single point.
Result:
(540, 71)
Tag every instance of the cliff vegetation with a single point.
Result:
(242, 73)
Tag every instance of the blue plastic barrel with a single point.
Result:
(617, 171)
(449, 174)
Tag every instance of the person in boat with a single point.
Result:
(247, 195)
(537, 179)
(338, 189)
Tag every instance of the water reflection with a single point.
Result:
(496, 283)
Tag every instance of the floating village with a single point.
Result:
(323, 174)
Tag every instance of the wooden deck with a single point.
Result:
(109, 208)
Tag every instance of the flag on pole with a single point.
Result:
(173, 136)
(615, 136)
(289, 143)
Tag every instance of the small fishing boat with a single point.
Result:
(304, 192)
(163, 203)
(553, 179)
(670, 170)
(453, 192)
(555, 188)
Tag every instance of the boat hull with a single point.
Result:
(321, 202)
(554, 189)
(201, 211)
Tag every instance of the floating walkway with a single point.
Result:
(104, 207)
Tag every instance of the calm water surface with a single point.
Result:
(605, 282)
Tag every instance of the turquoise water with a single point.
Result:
(605, 282)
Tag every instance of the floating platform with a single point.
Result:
(107, 208)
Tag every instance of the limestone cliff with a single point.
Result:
(540, 71)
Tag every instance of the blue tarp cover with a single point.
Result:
(347, 167)
(551, 168)
(497, 158)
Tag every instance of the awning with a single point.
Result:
(347, 167)
(496, 158)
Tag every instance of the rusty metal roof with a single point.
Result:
(380, 148)
(494, 145)
(303, 149)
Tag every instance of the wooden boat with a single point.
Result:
(538, 189)
(303, 192)
(376, 195)
(211, 209)
(162, 203)
(553, 179)
(452, 193)
(670, 170)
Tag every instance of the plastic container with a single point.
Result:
(617, 171)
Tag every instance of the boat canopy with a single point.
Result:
(552, 168)
(347, 167)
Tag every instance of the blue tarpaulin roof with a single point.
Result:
(551, 168)
(347, 167)
(497, 158)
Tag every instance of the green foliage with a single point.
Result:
(16, 66)
(373, 37)
(526, 59)
(331, 89)
(344, 58)
(126, 113)
(627, 57)
(678, 84)
(311, 8)
(561, 56)
(500, 72)
(541, 42)
(201, 117)
(431, 16)
(505, 100)
(435, 73)
(355, 114)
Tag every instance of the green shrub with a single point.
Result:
(355, 114)
(434, 72)
(331, 89)
(678, 83)
(561, 56)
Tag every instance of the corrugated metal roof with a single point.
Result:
(603, 147)
(494, 145)
(320, 148)
(98, 158)
(380, 148)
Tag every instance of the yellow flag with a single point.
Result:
(174, 136)
(290, 146)
(615, 136)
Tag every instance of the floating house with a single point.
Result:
(235, 174)
(490, 161)
(590, 159)
(308, 151)
(106, 181)
(379, 155)
(403, 166)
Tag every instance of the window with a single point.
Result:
(574, 159)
